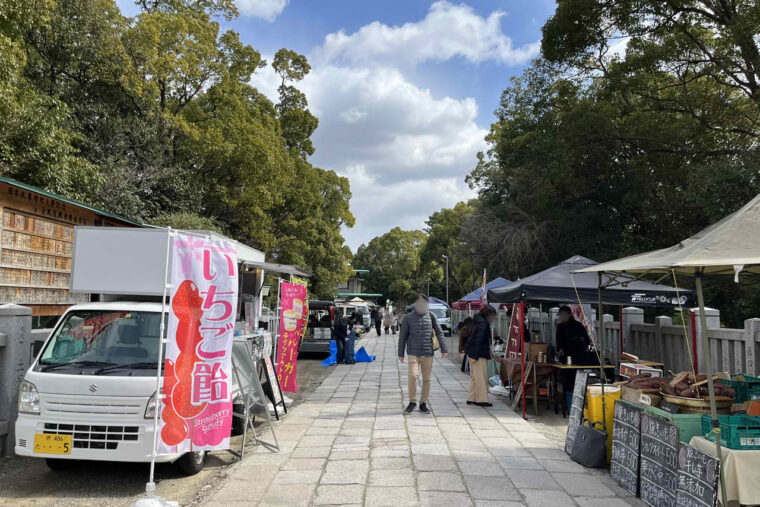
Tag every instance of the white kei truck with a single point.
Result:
(90, 394)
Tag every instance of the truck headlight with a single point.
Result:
(28, 398)
(150, 408)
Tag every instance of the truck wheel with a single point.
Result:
(192, 462)
(59, 465)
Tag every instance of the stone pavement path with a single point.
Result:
(349, 443)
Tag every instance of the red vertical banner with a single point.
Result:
(293, 304)
(513, 341)
(197, 407)
(521, 324)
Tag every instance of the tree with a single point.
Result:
(394, 264)
(296, 121)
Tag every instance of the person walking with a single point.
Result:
(394, 322)
(465, 329)
(378, 321)
(349, 348)
(416, 341)
(340, 333)
(478, 350)
(387, 321)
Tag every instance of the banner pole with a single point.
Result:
(150, 487)
(522, 353)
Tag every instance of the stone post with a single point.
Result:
(712, 317)
(15, 357)
(751, 337)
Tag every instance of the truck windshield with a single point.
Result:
(440, 313)
(108, 340)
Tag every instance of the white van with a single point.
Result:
(90, 394)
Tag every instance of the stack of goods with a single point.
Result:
(686, 385)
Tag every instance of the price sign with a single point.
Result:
(626, 440)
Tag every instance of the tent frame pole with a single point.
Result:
(522, 354)
(710, 383)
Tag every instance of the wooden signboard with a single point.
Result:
(626, 439)
(576, 409)
(659, 462)
(698, 477)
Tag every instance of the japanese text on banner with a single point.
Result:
(294, 312)
(197, 409)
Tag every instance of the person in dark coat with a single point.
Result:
(465, 329)
(573, 342)
(478, 350)
(378, 321)
(342, 327)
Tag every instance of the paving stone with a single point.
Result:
(389, 452)
(381, 434)
(491, 488)
(391, 463)
(544, 498)
(582, 484)
(532, 479)
(391, 497)
(561, 465)
(391, 477)
(346, 472)
(473, 456)
(442, 498)
(316, 441)
(431, 449)
(304, 464)
(519, 463)
(297, 476)
(342, 454)
(288, 494)
(439, 481)
(339, 494)
(425, 463)
(310, 452)
(481, 468)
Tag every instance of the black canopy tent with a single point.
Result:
(555, 285)
(563, 284)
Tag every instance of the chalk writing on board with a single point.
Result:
(626, 438)
(698, 475)
(575, 417)
(659, 462)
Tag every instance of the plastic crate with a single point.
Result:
(746, 389)
(689, 425)
(736, 431)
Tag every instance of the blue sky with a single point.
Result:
(404, 89)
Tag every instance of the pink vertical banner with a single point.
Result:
(196, 411)
(292, 324)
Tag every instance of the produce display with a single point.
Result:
(684, 384)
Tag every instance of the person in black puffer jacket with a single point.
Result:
(478, 350)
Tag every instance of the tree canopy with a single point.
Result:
(154, 118)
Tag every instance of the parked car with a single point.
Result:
(319, 326)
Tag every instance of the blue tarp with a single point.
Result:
(360, 356)
(475, 295)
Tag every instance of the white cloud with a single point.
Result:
(404, 148)
(266, 9)
(447, 31)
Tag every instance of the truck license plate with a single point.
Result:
(49, 443)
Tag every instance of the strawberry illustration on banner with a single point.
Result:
(196, 411)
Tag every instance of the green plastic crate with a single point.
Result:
(689, 425)
(747, 389)
(736, 431)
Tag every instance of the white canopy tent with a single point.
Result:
(730, 246)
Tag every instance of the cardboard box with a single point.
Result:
(633, 369)
(534, 349)
(648, 397)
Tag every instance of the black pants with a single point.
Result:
(341, 344)
(378, 324)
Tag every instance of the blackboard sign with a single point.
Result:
(698, 477)
(626, 439)
(659, 462)
(575, 418)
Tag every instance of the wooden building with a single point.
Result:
(36, 247)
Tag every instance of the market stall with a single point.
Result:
(558, 284)
(729, 247)
(471, 302)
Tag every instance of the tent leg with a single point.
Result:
(522, 353)
(710, 383)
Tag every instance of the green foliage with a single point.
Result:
(153, 117)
